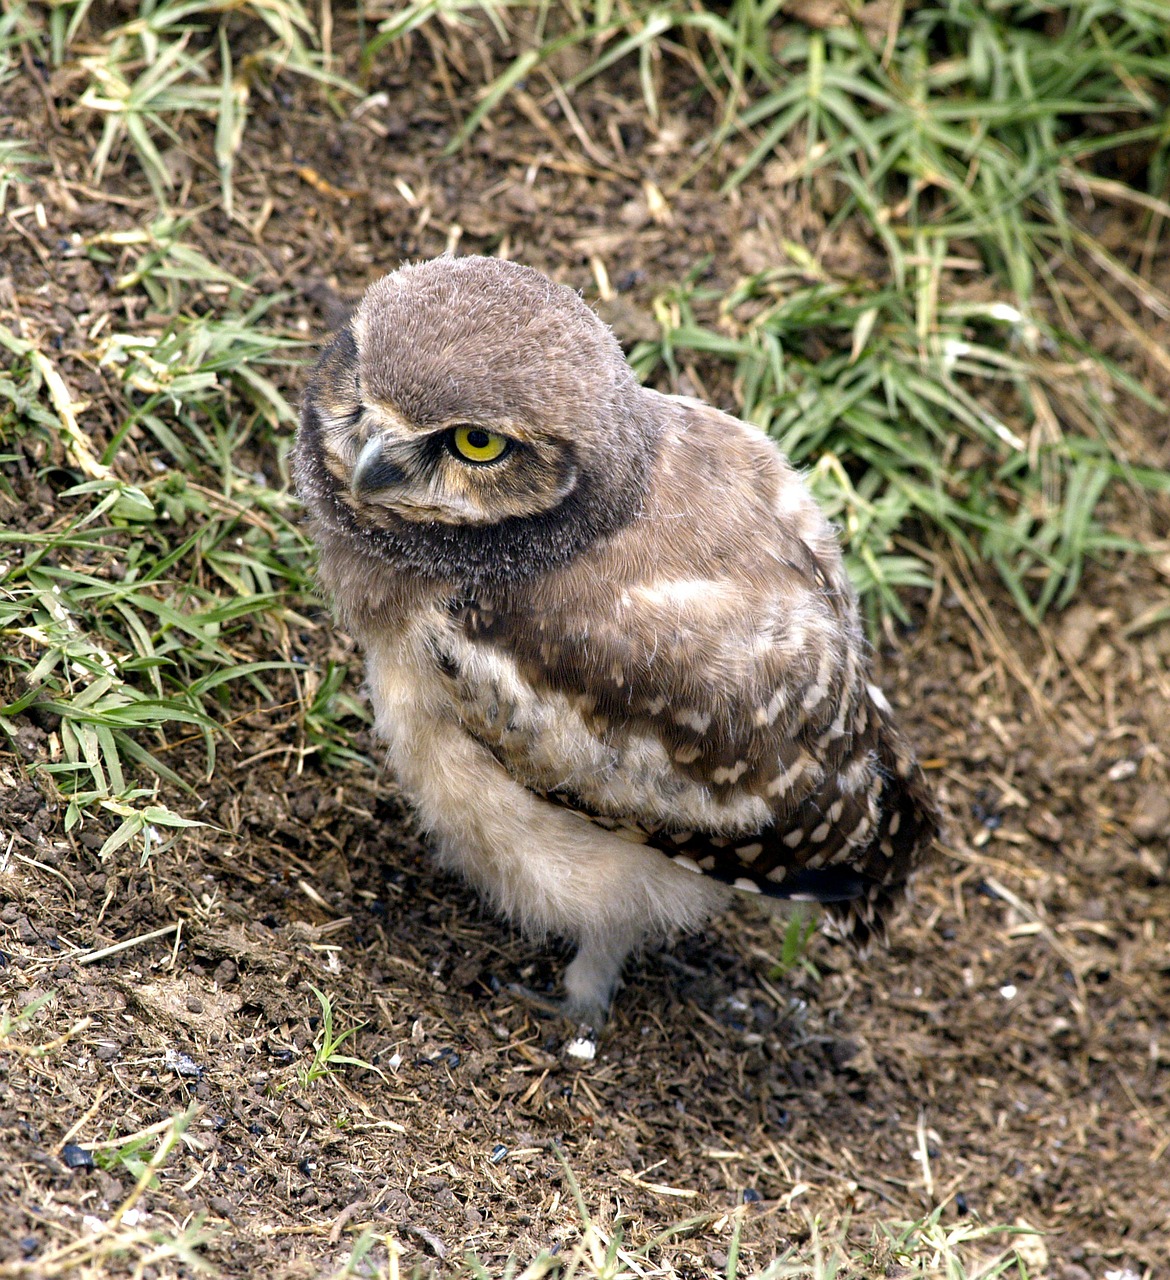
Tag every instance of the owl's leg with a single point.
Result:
(592, 978)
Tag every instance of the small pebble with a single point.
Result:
(76, 1157)
(582, 1048)
(182, 1065)
(1151, 814)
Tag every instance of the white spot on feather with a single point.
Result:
(733, 774)
(816, 692)
(682, 591)
(785, 779)
(859, 832)
(879, 699)
(855, 775)
(768, 714)
(791, 500)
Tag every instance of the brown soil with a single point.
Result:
(1018, 1031)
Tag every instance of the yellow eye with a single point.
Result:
(476, 444)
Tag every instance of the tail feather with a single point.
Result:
(908, 826)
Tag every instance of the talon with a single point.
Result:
(588, 1020)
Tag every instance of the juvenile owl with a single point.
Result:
(610, 643)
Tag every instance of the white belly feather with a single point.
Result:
(548, 868)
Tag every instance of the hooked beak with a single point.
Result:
(374, 469)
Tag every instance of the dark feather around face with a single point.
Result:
(460, 424)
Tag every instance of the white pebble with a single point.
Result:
(582, 1048)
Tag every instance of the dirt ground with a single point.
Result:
(1008, 1058)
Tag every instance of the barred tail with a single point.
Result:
(908, 825)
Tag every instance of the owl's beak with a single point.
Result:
(374, 469)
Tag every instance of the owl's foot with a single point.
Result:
(590, 982)
(591, 1017)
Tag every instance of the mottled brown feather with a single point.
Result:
(634, 669)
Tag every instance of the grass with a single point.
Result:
(126, 1235)
(123, 616)
(950, 142)
(21, 1021)
(950, 139)
(925, 1248)
(883, 406)
(326, 1058)
(133, 1156)
(157, 66)
(151, 1250)
(798, 931)
(921, 410)
(605, 1248)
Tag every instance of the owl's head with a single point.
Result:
(471, 419)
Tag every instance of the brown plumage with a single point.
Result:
(610, 639)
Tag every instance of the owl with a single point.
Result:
(610, 643)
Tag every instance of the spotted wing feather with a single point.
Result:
(849, 848)
(726, 719)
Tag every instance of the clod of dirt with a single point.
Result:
(1077, 629)
(1150, 819)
